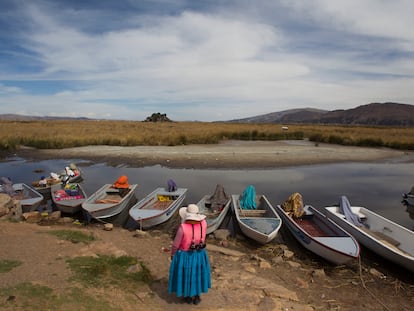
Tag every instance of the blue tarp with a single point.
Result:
(248, 198)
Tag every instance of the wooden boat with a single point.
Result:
(215, 207)
(29, 198)
(69, 198)
(44, 186)
(379, 234)
(320, 235)
(108, 202)
(260, 224)
(157, 207)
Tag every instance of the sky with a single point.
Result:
(200, 60)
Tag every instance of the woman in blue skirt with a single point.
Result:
(190, 267)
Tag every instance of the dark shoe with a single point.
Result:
(188, 300)
(196, 300)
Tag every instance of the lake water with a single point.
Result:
(377, 186)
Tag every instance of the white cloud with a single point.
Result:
(209, 66)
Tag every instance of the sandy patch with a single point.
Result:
(228, 154)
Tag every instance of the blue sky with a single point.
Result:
(202, 60)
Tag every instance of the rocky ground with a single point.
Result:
(245, 276)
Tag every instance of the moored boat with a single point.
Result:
(377, 233)
(215, 206)
(71, 174)
(28, 197)
(110, 200)
(316, 232)
(255, 215)
(69, 198)
(156, 208)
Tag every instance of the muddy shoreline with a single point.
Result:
(226, 155)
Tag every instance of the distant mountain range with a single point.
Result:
(384, 114)
(19, 117)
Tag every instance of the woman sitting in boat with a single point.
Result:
(122, 185)
(75, 169)
(293, 206)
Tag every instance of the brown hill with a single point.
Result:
(384, 114)
(381, 114)
(390, 114)
(19, 117)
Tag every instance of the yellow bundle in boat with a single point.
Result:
(164, 198)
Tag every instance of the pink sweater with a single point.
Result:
(184, 236)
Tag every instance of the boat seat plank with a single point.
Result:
(252, 212)
(390, 242)
(110, 199)
(381, 236)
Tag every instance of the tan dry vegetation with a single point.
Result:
(64, 134)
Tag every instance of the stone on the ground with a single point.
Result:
(319, 273)
(224, 251)
(108, 227)
(221, 234)
(5, 201)
(32, 217)
(288, 254)
(141, 233)
(55, 215)
(65, 220)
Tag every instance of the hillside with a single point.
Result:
(19, 117)
(375, 114)
(383, 114)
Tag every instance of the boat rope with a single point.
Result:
(100, 220)
(366, 288)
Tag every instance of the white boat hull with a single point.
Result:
(70, 205)
(213, 219)
(333, 243)
(157, 207)
(103, 211)
(29, 198)
(262, 229)
(382, 236)
(45, 190)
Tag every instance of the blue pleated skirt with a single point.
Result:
(189, 273)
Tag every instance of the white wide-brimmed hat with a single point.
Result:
(191, 213)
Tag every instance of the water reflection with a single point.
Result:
(376, 186)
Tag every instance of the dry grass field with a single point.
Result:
(75, 133)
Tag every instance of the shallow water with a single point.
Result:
(377, 186)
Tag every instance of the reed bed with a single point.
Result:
(74, 133)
